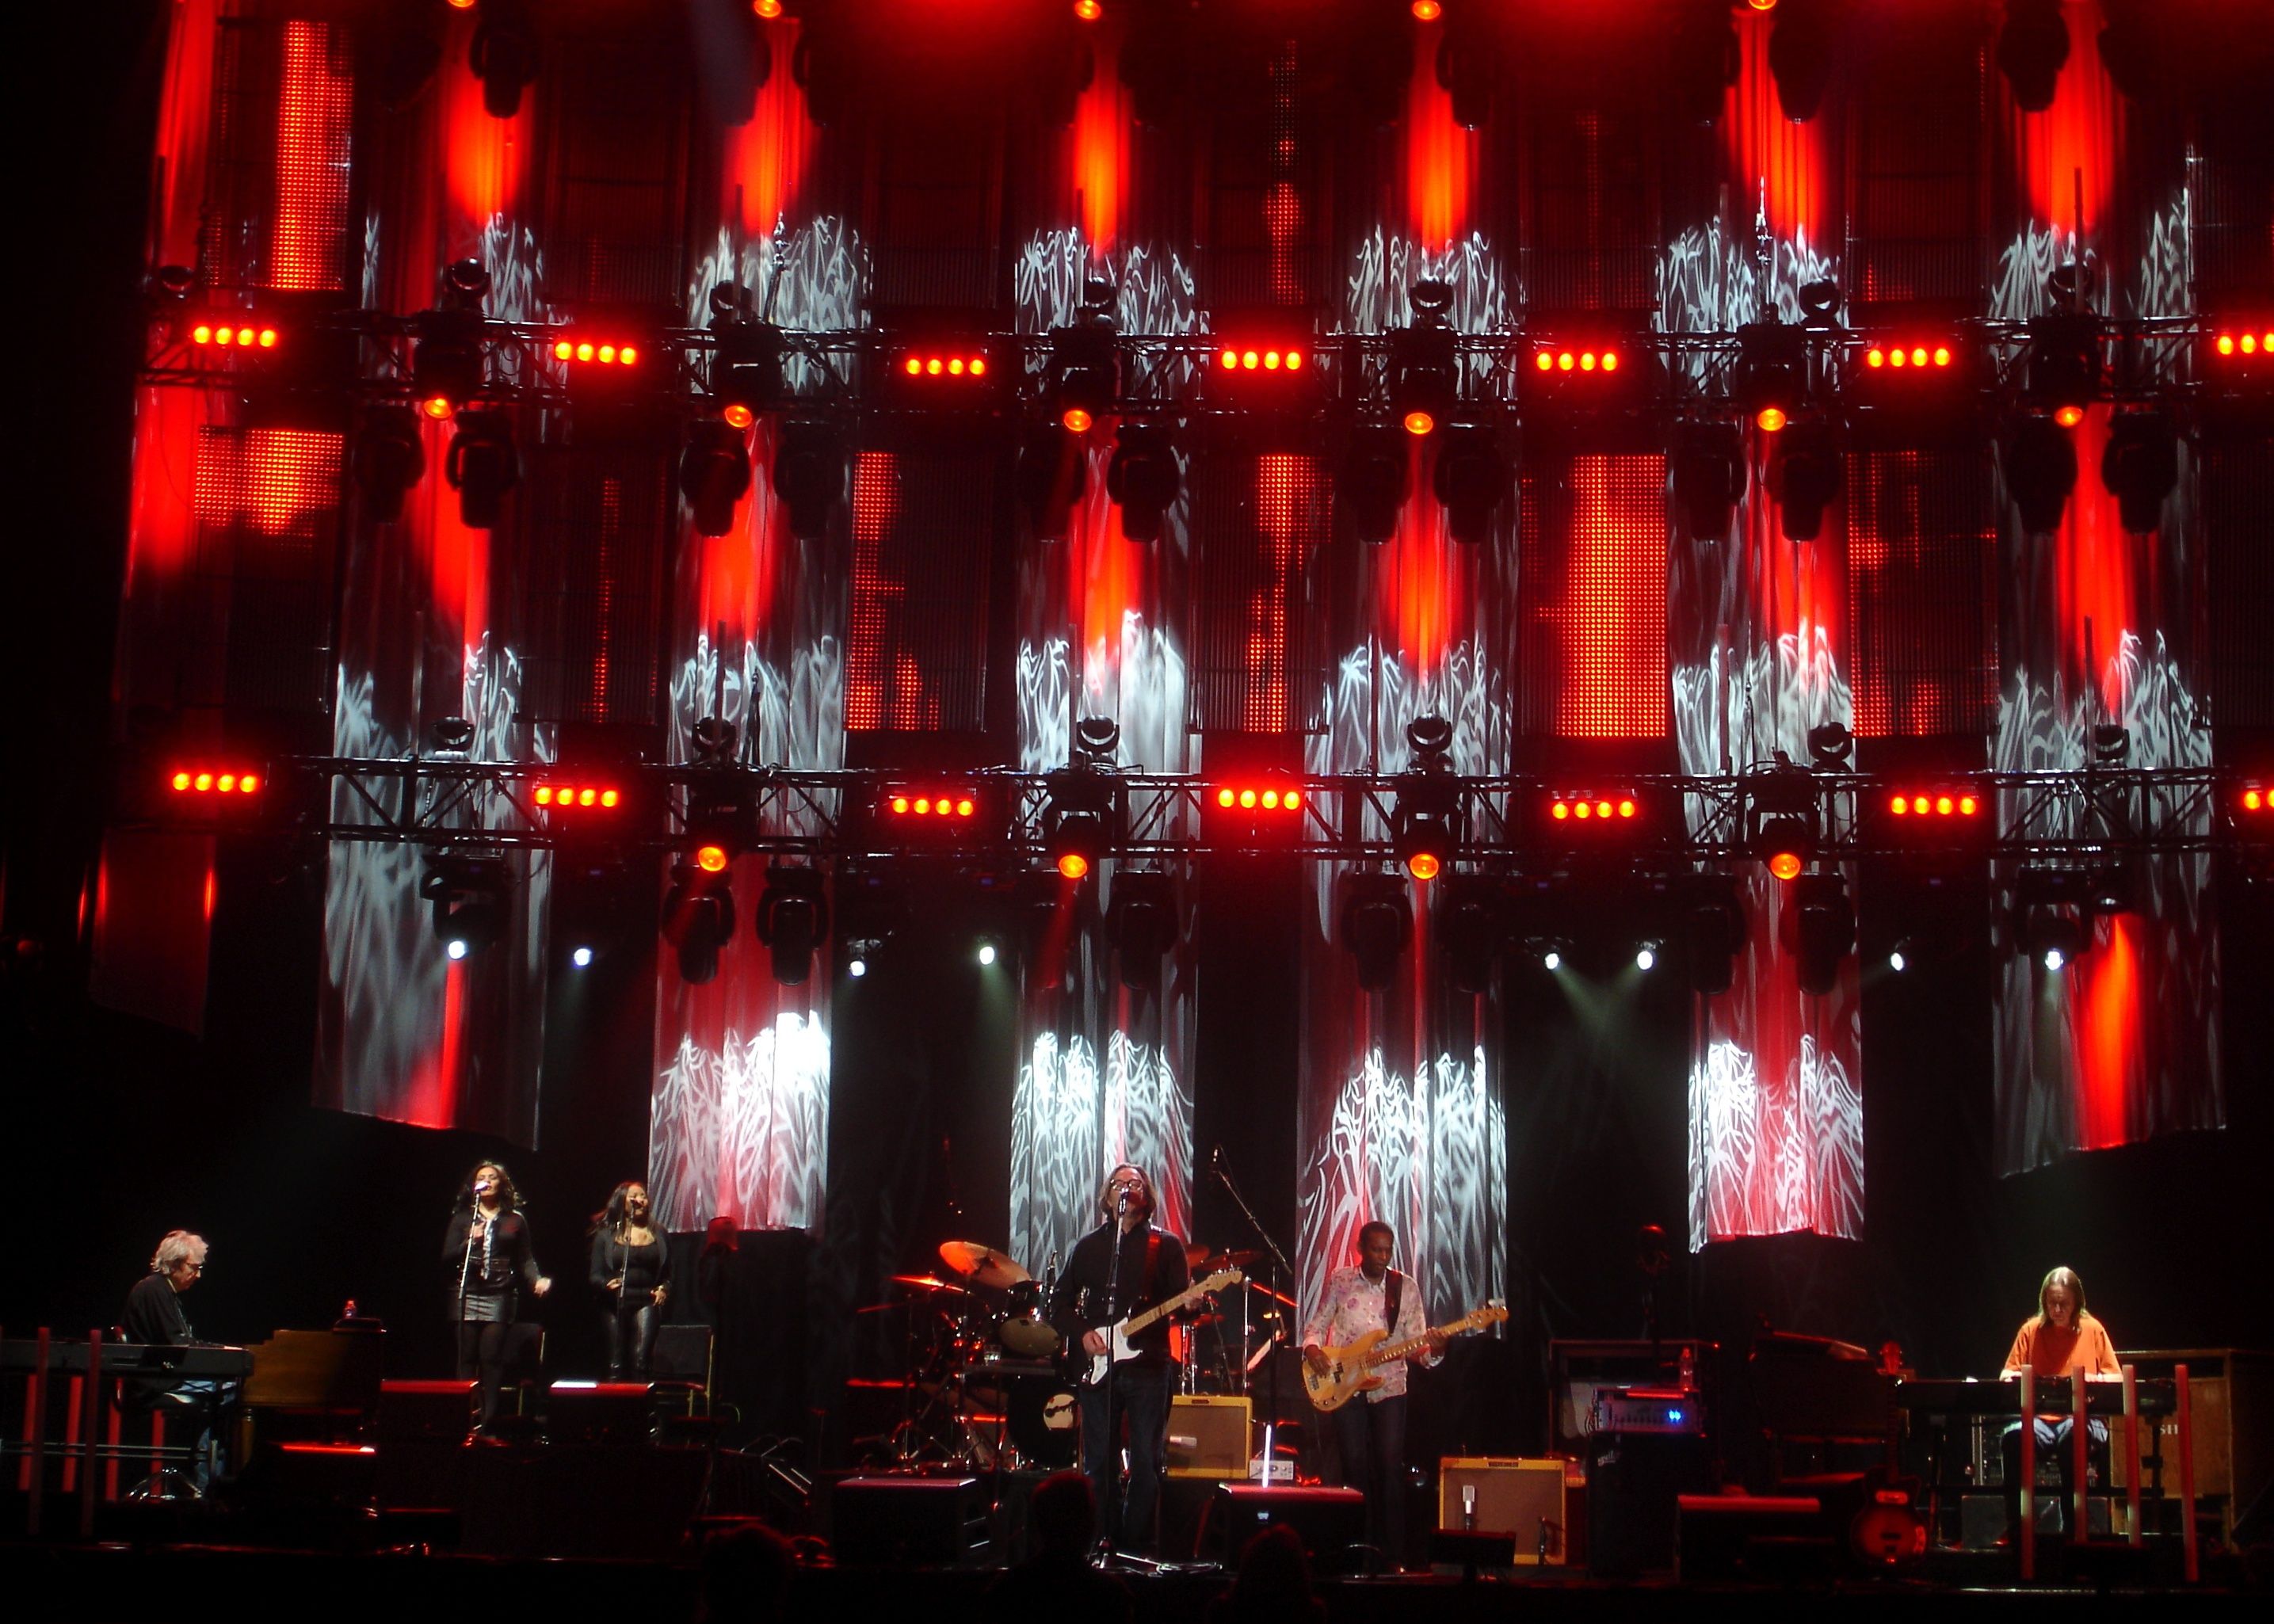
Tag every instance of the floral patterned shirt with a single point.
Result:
(1352, 1306)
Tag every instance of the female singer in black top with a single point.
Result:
(631, 1264)
(486, 1251)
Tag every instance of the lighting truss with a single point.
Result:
(825, 815)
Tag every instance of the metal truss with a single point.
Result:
(2081, 818)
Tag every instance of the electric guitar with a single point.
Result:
(1349, 1369)
(1117, 1335)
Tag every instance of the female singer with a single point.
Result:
(631, 1264)
(486, 1248)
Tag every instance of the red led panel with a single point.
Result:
(1922, 593)
(315, 109)
(274, 481)
(922, 521)
(1251, 544)
(1594, 600)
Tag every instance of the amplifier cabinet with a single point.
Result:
(1208, 1437)
(1491, 1494)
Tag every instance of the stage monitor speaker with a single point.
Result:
(1330, 1522)
(682, 1353)
(910, 1522)
(1764, 1539)
(1208, 1437)
(1486, 1494)
(1633, 1480)
(435, 1409)
(599, 1412)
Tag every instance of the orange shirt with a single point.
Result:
(2053, 1353)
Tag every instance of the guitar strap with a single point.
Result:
(1392, 1300)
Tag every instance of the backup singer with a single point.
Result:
(1370, 1430)
(2057, 1339)
(486, 1250)
(631, 1264)
(154, 1317)
(1124, 1266)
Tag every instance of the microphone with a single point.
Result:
(1121, 1200)
(1215, 1158)
(483, 1187)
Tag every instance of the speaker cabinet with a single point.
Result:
(910, 1522)
(1208, 1437)
(1330, 1522)
(1486, 1494)
(1633, 1481)
(599, 1412)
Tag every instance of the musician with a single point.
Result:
(154, 1317)
(1370, 1429)
(486, 1250)
(2058, 1338)
(631, 1264)
(1124, 1266)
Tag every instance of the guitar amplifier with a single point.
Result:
(1488, 1494)
(1208, 1437)
(1666, 1411)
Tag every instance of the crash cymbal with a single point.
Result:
(1228, 1259)
(982, 1266)
(1196, 1254)
(925, 1282)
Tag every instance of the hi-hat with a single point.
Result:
(925, 1282)
(982, 1266)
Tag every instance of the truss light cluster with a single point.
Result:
(1941, 803)
(215, 781)
(939, 364)
(1249, 358)
(227, 335)
(1560, 361)
(951, 803)
(605, 797)
(606, 352)
(1568, 807)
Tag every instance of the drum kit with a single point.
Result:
(988, 1382)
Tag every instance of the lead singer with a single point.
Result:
(486, 1250)
(1103, 1284)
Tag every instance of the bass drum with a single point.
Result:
(1042, 1413)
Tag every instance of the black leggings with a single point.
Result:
(631, 1329)
(482, 1348)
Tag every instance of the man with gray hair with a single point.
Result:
(154, 1317)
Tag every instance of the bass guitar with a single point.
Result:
(1349, 1369)
(1117, 1335)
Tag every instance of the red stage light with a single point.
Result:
(767, 9)
(1771, 419)
(1762, 5)
(2069, 416)
(1427, 11)
(711, 858)
(2255, 799)
(945, 365)
(468, 5)
(1088, 11)
(240, 337)
(1076, 420)
(955, 803)
(182, 781)
(1785, 865)
(207, 781)
(1424, 865)
(562, 796)
(1603, 359)
(739, 417)
(1074, 865)
(1569, 805)
(1273, 358)
(605, 353)
(437, 406)
(1418, 423)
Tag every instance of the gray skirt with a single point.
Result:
(486, 1308)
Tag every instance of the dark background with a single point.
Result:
(117, 1130)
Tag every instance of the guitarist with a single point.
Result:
(1371, 1428)
(1124, 1266)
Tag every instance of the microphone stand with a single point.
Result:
(1279, 1309)
(1112, 1422)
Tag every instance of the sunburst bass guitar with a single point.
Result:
(1349, 1369)
(1117, 1335)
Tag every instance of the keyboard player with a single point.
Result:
(2054, 1341)
(155, 1318)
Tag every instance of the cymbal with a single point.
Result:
(1276, 1296)
(982, 1265)
(925, 1282)
(1231, 1260)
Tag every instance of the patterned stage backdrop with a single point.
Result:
(1104, 1071)
(2122, 1042)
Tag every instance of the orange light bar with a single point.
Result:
(1239, 358)
(1915, 355)
(1936, 804)
(1571, 805)
(215, 781)
(1566, 360)
(560, 797)
(607, 353)
(945, 365)
(2255, 342)
(1251, 797)
(240, 335)
(928, 804)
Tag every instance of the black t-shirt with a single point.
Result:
(1153, 1270)
(154, 1316)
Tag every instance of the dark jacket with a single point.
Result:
(509, 1262)
(1153, 1270)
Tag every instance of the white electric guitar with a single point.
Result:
(1117, 1335)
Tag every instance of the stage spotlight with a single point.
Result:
(1801, 56)
(1096, 741)
(808, 478)
(1375, 480)
(1377, 921)
(698, 914)
(1898, 961)
(1831, 747)
(1053, 472)
(1427, 823)
(1714, 929)
(793, 920)
(1081, 819)
(1646, 956)
(504, 55)
(986, 954)
(1771, 373)
(2054, 937)
(1820, 930)
(1470, 479)
(714, 474)
(2032, 46)
(1143, 477)
(1552, 958)
(1709, 477)
(1781, 815)
(2141, 467)
(2064, 373)
(390, 457)
(446, 354)
(1472, 926)
(1086, 360)
(1424, 359)
(467, 893)
(1805, 479)
(1141, 923)
(2040, 466)
(857, 966)
(581, 957)
(747, 372)
(482, 465)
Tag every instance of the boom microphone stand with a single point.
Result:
(1279, 1266)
